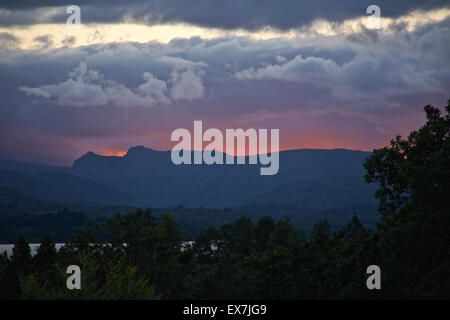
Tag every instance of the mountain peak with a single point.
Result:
(90, 155)
(86, 158)
(139, 150)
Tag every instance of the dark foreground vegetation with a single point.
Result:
(267, 259)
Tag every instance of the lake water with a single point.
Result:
(33, 246)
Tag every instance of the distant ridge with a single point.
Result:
(319, 179)
(316, 178)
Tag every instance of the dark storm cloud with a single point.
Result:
(227, 14)
(69, 41)
(8, 41)
(44, 41)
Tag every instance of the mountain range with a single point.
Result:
(307, 178)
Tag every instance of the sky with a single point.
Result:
(133, 71)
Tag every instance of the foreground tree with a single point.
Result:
(414, 191)
(21, 256)
(110, 281)
(45, 255)
(414, 173)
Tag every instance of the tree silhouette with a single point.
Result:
(21, 256)
(413, 175)
(46, 254)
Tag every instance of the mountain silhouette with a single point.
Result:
(307, 178)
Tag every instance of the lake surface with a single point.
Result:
(33, 246)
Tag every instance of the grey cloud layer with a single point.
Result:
(227, 14)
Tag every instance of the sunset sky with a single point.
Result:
(136, 70)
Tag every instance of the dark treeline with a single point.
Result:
(267, 259)
(64, 222)
(32, 227)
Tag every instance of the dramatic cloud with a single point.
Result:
(44, 42)
(226, 14)
(186, 86)
(371, 74)
(336, 88)
(154, 88)
(8, 41)
(359, 29)
(376, 73)
(310, 69)
(69, 41)
(37, 92)
(87, 87)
